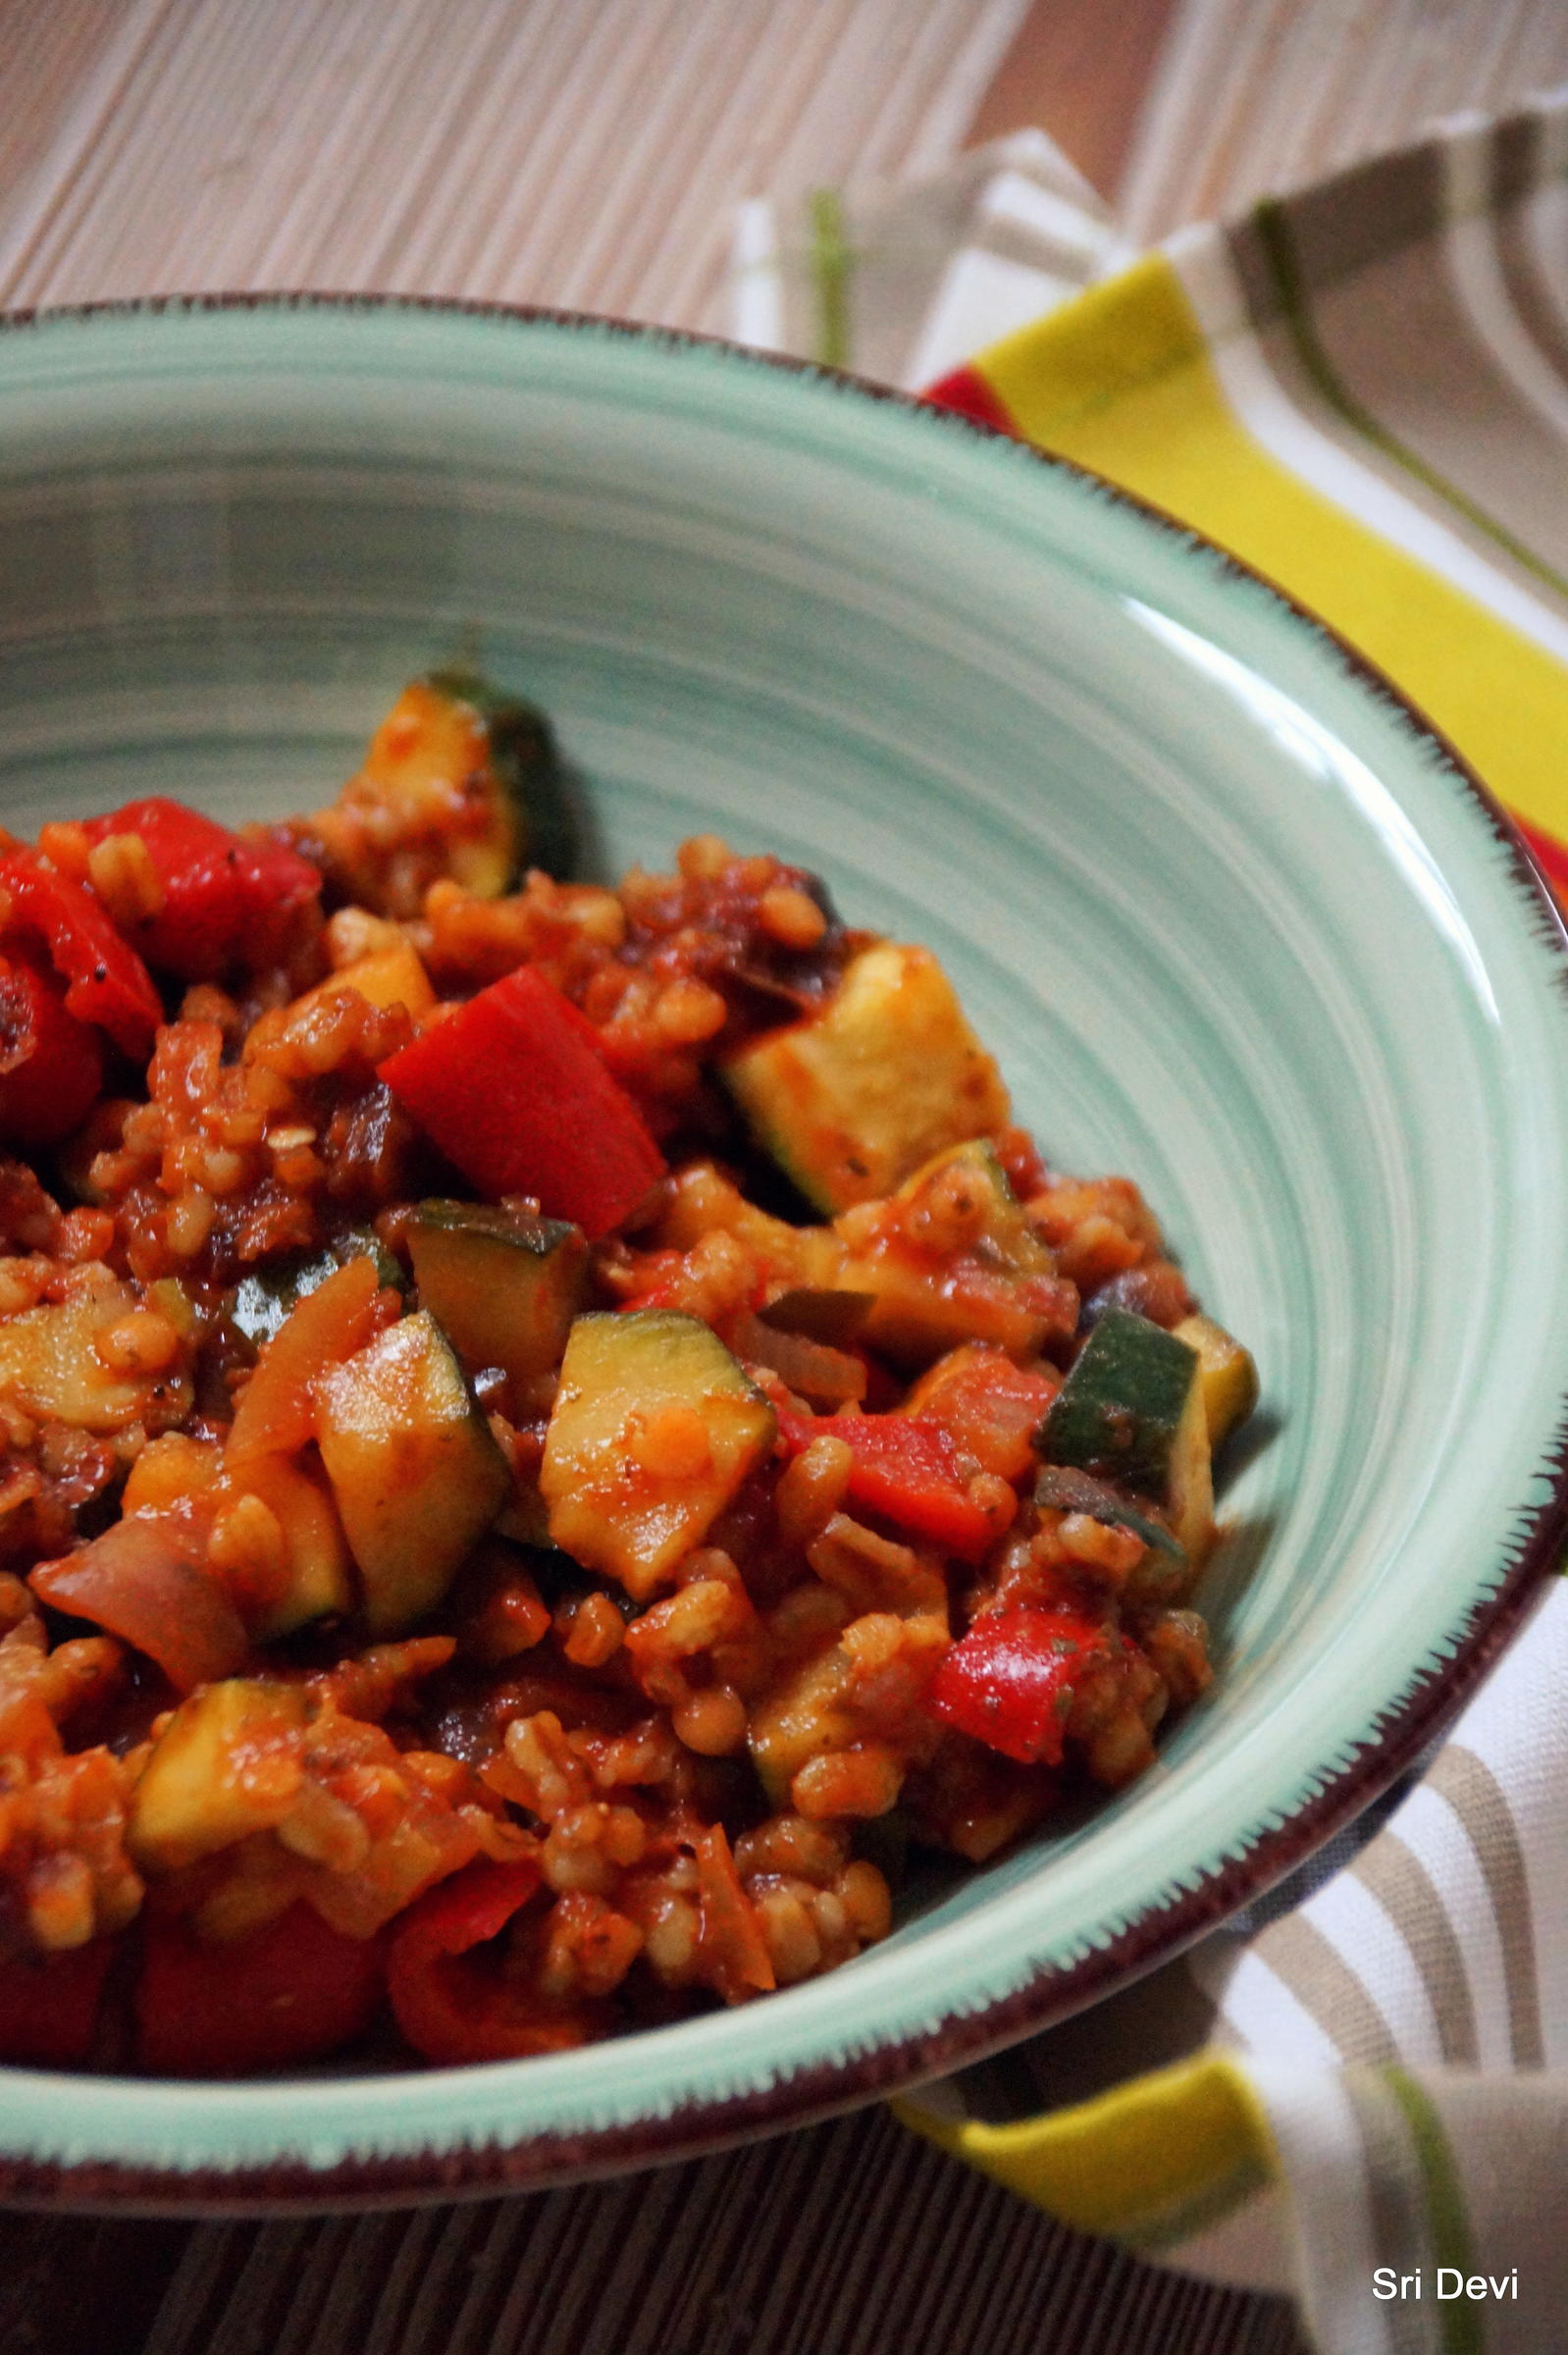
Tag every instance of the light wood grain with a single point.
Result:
(588, 153)
(1253, 97)
(1082, 73)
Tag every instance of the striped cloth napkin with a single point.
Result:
(1359, 2090)
(904, 280)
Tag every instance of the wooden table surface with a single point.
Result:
(589, 152)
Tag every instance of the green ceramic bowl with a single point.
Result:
(1232, 918)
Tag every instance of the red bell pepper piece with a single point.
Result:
(143, 1581)
(514, 1089)
(49, 2005)
(1010, 1681)
(906, 1468)
(106, 981)
(227, 901)
(293, 1991)
(51, 1065)
(453, 2005)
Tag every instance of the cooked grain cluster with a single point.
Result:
(555, 1437)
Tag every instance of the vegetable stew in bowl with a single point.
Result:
(553, 1436)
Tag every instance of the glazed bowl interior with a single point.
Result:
(1232, 922)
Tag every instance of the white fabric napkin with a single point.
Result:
(902, 281)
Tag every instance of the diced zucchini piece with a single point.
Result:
(966, 1184)
(414, 1467)
(503, 1289)
(1190, 1483)
(1001, 1287)
(654, 1429)
(1228, 1375)
(534, 823)
(50, 1367)
(1117, 1413)
(1132, 1411)
(227, 1764)
(853, 1098)
(321, 1575)
(262, 1299)
(465, 782)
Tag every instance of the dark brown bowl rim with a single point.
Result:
(536, 2162)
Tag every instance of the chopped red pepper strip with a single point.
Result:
(226, 901)
(293, 1991)
(453, 2005)
(49, 2005)
(514, 1089)
(106, 981)
(906, 1468)
(1010, 1681)
(51, 1065)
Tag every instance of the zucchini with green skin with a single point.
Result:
(460, 783)
(454, 757)
(533, 817)
(854, 1096)
(263, 1297)
(504, 1286)
(415, 1469)
(1132, 1411)
(654, 1428)
(320, 1579)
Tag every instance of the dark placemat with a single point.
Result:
(853, 2238)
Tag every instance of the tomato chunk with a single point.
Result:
(1009, 1681)
(991, 1406)
(515, 1091)
(227, 901)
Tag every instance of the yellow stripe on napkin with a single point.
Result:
(1121, 381)
(1151, 2162)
